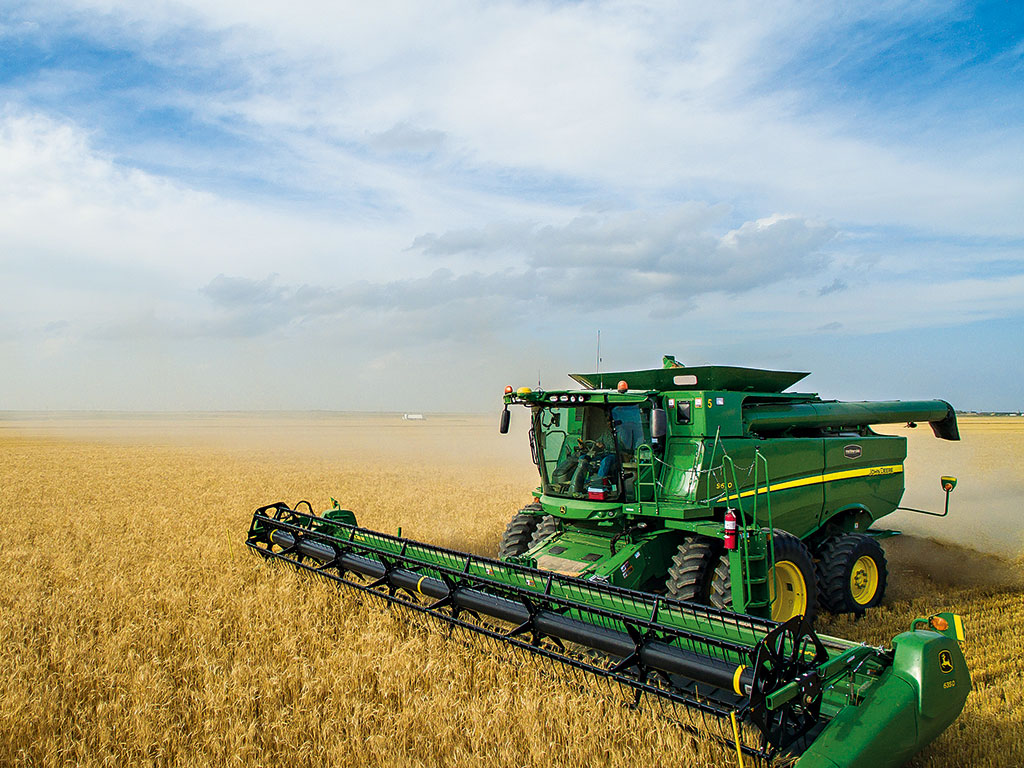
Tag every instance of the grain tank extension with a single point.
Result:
(715, 485)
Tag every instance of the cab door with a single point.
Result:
(632, 425)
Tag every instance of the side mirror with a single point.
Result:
(506, 417)
(948, 484)
(659, 423)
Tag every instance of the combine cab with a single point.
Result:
(713, 485)
(687, 522)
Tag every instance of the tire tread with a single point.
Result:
(518, 534)
(690, 575)
(837, 556)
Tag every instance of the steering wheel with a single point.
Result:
(590, 447)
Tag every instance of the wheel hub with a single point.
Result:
(790, 592)
(864, 580)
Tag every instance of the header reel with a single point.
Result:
(777, 682)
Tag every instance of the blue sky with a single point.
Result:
(228, 205)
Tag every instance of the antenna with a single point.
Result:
(599, 350)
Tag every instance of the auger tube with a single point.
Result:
(775, 417)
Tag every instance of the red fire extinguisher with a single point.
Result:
(730, 529)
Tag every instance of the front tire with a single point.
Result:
(518, 535)
(548, 526)
(689, 576)
(793, 580)
(852, 573)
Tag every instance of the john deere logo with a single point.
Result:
(852, 451)
(946, 662)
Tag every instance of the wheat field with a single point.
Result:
(135, 628)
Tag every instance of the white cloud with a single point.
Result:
(879, 306)
(646, 264)
(62, 200)
(637, 98)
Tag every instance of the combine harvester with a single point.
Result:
(656, 500)
(715, 485)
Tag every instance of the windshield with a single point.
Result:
(588, 451)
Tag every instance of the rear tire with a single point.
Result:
(518, 534)
(689, 576)
(548, 526)
(852, 573)
(794, 582)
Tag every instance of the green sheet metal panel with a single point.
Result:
(796, 488)
(863, 471)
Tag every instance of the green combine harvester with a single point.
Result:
(687, 524)
(714, 485)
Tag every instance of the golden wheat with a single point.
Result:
(135, 628)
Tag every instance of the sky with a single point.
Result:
(227, 205)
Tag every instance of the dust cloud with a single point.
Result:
(445, 440)
(986, 511)
(981, 542)
(918, 566)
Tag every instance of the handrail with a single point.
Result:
(645, 463)
(729, 469)
(758, 456)
(743, 543)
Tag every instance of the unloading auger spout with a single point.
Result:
(767, 689)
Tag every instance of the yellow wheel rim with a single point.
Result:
(864, 580)
(790, 592)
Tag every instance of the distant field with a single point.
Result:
(135, 628)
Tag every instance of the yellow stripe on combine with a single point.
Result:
(890, 469)
(958, 626)
(419, 583)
